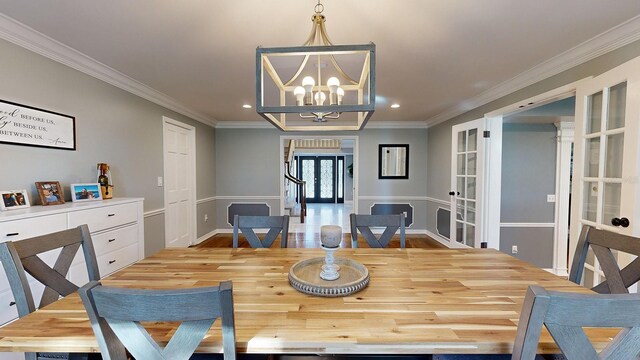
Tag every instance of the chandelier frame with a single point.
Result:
(365, 86)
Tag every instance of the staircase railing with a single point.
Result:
(302, 186)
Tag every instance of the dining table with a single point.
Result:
(418, 301)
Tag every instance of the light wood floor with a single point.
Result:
(306, 240)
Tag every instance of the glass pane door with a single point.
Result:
(465, 166)
(607, 109)
(319, 174)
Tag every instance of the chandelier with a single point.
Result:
(309, 84)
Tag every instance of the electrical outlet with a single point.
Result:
(514, 249)
(206, 217)
(551, 198)
(159, 181)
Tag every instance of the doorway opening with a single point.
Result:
(536, 178)
(327, 168)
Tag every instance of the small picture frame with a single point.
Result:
(14, 199)
(50, 192)
(85, 192)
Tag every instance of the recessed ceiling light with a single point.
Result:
(395, 106)
(246, 106)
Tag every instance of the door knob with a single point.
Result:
(624, 222)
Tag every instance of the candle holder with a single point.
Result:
(330, 236)
(329, 269)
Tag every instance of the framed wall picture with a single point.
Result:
(85, 192)
(27, 125)
(50, 192)
(14, 199)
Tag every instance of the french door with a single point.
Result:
(606, 158)
(324, 180)
(467, 153)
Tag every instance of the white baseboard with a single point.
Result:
(205, 236)
(441, 239)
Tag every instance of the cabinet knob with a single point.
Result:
(111, 262)
(12, 303)
(111, 240)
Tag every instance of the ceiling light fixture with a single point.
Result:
(247, 106)
(395, 106)
(319, 89)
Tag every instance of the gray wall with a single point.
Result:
(528, 176)
(439, 136)
(112, 126)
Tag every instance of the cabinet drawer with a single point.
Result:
(9, 312)
(27, 228)
(116, 260)
(113, 240)
(104, 217)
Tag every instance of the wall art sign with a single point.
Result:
(26, 125)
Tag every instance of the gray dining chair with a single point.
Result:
(565, 314)
(20, 258)
(116, 313)
(603, 243)
(247, 224)
(364, 223)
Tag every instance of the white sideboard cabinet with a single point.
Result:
(117, 230)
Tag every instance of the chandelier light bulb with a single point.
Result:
(299, 93)
(340, 95)
(333, 83)
(320, 98)
(308, 83)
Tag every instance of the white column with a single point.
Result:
(565, 136)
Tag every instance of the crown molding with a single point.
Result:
(370, 125)
(610, 40)
(30, 39)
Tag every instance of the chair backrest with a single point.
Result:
(602, 243)
(21, 257)
(364, 223)
(565, 314)
(247, 224)
(116, 313)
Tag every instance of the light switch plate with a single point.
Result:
(160, 181)
(551, 198)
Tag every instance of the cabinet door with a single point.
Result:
(605, 189)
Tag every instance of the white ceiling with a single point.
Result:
(432, 56)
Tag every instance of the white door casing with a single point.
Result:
(606, 156)
(467, 163)
(180, 183)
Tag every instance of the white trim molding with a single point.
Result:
(205, 200)
(438, 201)
(153, 212)
(527, 225)
(30, 39)
(205, 237)
(394, 198)
(610, 40)
(248, 197)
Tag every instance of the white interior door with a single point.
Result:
(179, 193)
(467, 153)
(606, 157)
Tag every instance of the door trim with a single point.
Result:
(559, 242)
(192, 170)
(356, 151)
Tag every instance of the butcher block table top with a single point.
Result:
(419, 301)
